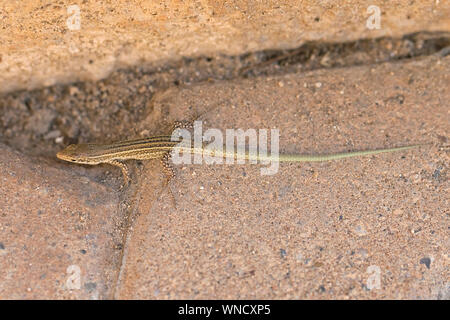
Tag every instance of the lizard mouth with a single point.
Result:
(62, 156)
(67, 154)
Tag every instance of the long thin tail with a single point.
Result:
(336, 156)
(296, 157)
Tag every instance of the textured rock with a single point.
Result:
(41, 43)
(55, 226)
(369, 227)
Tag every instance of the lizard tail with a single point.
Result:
(336, 156)
(297, 157)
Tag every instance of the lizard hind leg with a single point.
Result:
(169, 171)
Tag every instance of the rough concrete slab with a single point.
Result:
(41, 42)
(371, 227)
(59, 232)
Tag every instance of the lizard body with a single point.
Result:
(159, 147)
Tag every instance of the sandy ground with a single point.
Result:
(373, 227)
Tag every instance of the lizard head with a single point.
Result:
(77, 153)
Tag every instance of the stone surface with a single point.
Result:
(40, 43)
(54, 227)
(367, 227)
(373, 227)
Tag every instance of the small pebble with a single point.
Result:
(426, 261)
(52, 135)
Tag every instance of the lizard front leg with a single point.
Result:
(169, 172)
(124, 168)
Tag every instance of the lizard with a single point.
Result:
(160, 146)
